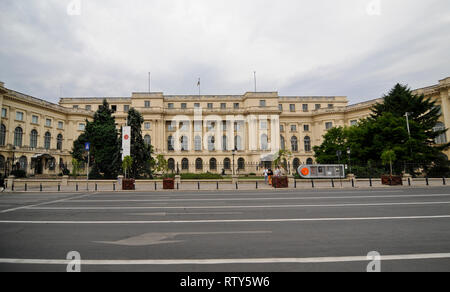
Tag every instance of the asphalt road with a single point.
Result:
(231, 231)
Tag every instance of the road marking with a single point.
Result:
(231, 220)
(175, 214)
(42, 204)
(260, 199)
(155, 238)
(240, 206)
(311, 260)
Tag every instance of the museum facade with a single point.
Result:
(195, 133)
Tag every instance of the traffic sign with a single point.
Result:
(87, 146)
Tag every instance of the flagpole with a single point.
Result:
(199, 87)
(254, 74)
(149, 82)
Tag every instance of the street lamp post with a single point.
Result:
(233, 153)
(349, 162)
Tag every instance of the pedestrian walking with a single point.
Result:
(2, 183)
(266, 175)
(270, 175)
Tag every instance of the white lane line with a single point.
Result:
(311, 260)
(260, 199)
(231, 220)
(176, 214)
(241, 206)
(41, 204)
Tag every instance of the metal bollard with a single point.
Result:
(312, 183)
(256, 184)
(12, 187)
(353, 183)
(443, 181)
(40, 187)
(77, 187)
(370, 181)
(96, 187)
(236, 186)
(426, 179)
(409, 181)
(26, 187)
(156, 186)
(295, 183)
(114, 186)
(217, 185)
(178, 186)
(59, 187)
(332, 183)
(198, 185)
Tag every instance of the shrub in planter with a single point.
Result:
(168, 183)
(392, 180)
(128, 184)
(280, 182)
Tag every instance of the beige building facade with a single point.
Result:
(195, 133)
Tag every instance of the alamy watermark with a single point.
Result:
(374, 265)
(74, 266)
(374, 8)
(74, 8)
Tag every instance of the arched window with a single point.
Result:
(294, 144)
(33, 139)
(224, 143)
(184, 143)
(307, 144)
(198, 143)
(47, 140)
(296, 163)
(211, 142)
(59, 142)
(18, 133)
(212, 164)
(2, 162)
(23, 163)
(241, 164)
(264, 142)
(309, 161)
(227, 164)
(185, 164)
(170, 143)
(199, 164)
(442, 138)
(238, 143)
(282, 143)
(2, 135)
(171, 164)
(147, 140)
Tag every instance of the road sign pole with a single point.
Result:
(89, 160)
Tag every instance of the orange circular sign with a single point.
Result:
(305, 171)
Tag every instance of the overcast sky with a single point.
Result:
(356, 48)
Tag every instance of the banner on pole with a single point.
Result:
(126, 141)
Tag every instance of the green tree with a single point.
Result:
(334, 140)
(388, 156)
(141, 153)
(103, 136)
(127, 163)
(281, 158)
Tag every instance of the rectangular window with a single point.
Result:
(353, 122)
(60, 125)
(88, 107)
(183, 106)
(237, 126)
(147, 104)
(170, 106)
(35, 119)
(211, 126)
(236, 106)
(210, 106)
(305, 107)
(293, 128)
(48, 122)
(147, 126)
(4, 112)
(306, 128)
(197, 126)
(281, 128)
(75, 107)
(262, 103)
(170, 126)
(330, 105)
(292, 107)
(196, 105)
(317, 106)
(114, 108)
(328, 125)
(263, 125)
(184, 126)
(280, 107)
(19, 116)
(223, 105)
(126, 108)
(81, 127)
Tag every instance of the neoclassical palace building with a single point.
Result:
(195, 133)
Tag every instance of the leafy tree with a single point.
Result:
(388, 156)
(105, 147)
(161, 164)
(140, 152)
(281, 158)
(334, 140)
(127, 163)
